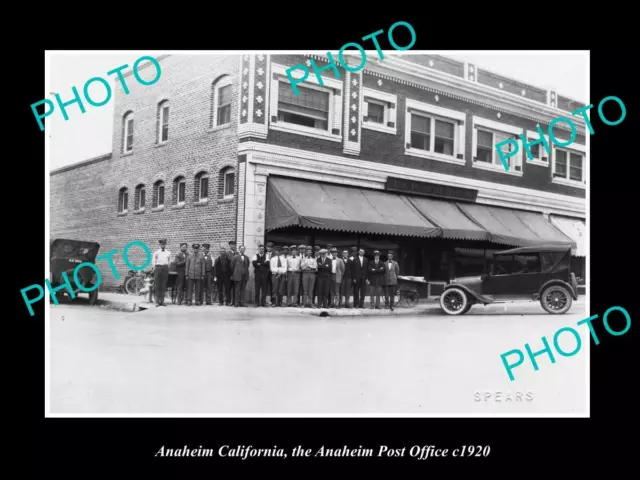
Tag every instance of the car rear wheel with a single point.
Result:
(556, 299)
(454, 301)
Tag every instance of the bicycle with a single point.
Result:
(136, 283)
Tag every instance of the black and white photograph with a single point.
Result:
(281, 233)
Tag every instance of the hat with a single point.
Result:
(377, 252)
(316, 248)
(195, 245)
(324, 250)
(269, 244)
(302, 247)
(162, 241)
(390, 252)
(223, 245)
(260, 246)
(183, 244)
(309, 249)
(206, 245)
(285, 248)
(232, 242)
(293, 247)
(354, 249)
(334, 249)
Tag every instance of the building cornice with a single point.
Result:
(309, 164)
(82, 163)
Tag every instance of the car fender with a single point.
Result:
(574, 294)
(479, 298)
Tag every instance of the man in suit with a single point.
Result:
(195, 274)
(345, 282)
(323, 278)
(293, 276)
(268, 255)
(337, 278)
(181, 264)
(359, 269)
(376, 278)
(208, 274)
(261, 270)
(278, 275)
(222, 269)
(391, 272)
(232, 253)
(240, 276)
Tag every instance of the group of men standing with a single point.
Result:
(305, 276)
(298, 275)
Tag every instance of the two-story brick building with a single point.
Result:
(399, 156)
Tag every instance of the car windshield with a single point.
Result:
(514, 264)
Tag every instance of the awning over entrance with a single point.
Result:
(452, 222)
(574, 228)
(342, 208)
(515, 227)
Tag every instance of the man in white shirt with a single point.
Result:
(293, 276)
(269, 254)
(160, 266)
(278, 275)
(333, 256)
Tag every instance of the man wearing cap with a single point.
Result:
(308, 267)
(261, 269)
(376, 278)
(293, 277)
(278, 273)
(337, 269)
(195, 274)
(270, 253)
(207, 288)
(391, 272)
(160, 266)
(222, 269)
(285, 254)
(232, 253)
(301, 251)
(345, 283)
(180, 262)
(314, 296)
(240, 276)
(359, 271)
(323, 278)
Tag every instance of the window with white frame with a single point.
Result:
(434, 132)
(123, 200)
(222, 97)
(202, 185)
(309, 109)
(539, 154)
(315, 112)
(568, 165)
(128, 133)
(163, 124)
(179, 190)
(379, 111)
(487, 134)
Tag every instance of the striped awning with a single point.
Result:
(576, 228)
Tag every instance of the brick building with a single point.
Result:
(399, 156)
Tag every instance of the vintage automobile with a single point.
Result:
(66, 255)
(539, 273)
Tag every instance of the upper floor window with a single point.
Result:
(228, 182)
(163, 122)
(487, 134)
(123, 200)
(315, 112)
(179, 191)
(128, 132)
(140, 199)
(158, 194)
(202, 187)
(222, 97)
(539, 154)
(379, 111)
(432, 134)
(568, 164)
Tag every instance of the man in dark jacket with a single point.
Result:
(208, 273)
(323, 279)
(261, 274)
(376, 278)
(359, 270)
(181, 264)
(195, 274)
(239, 276)
(222, 268)
(346, 285)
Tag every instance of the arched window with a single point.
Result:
(201, 187)
(123, 200)
(222, 96)
(158, 194)
(179, 190)
(127, 137)
(163, 121)
(140, 200)
(227, 182)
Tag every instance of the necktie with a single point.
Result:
(279, 263)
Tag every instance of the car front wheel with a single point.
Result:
(556, 299)
(454, 301)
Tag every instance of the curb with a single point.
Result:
(120, 306)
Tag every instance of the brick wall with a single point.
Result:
(84, 200)
(386, 148)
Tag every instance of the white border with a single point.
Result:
(47, 315)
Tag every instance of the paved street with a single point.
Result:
(210, 360)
